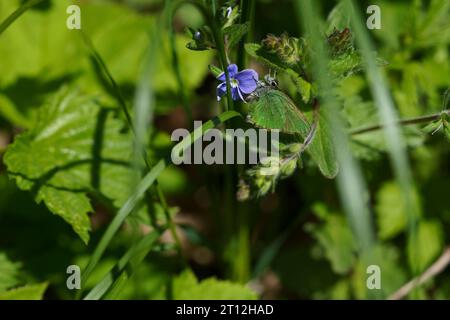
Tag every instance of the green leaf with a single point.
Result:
(10, 112)
(49, 50)
(446, 125)
(9, 273)
(345, 64)
(447, 131)
(28, 292)
(427, 246)
(393, 274)
(304, 87)
(322, 150)
(125, 267)
(235, 33)
(145, 184)
(11, 277)
(336, 239)
(187, 287)
(391, 211)
(433, 127)
(214, 70)
(337, 19)
(75, 148)
(273, 109)
(270, 59)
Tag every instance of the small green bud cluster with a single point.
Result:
(288, 49)
(340, 42)
(260, 179)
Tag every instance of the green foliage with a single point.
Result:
(76, 148)
(28, 292)
(270, 59)
(428, 245)
(336, 239)
(393, 276)
(275, 110)
(187, 287)
(441, 124)
(201, 39)
(234, 33)
(321, 148)
(66, 149)
(390, 211)
(9, 273)
(11, 282)
(64, 57)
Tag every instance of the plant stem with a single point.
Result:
(16, 14)
(209, 16)
(402, 122)
(213, 7)
(176, 65)
(219, 41)
(244, 211)
(148, 180)
(247, 14)
(129, 121)
(437, 267)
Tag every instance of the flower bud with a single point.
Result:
(340, 41)
(288, 168)
(243, 192)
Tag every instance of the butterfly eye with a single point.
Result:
(271, 81)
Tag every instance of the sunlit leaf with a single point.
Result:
(186, 286)
(428, 245)
(28, 292)
(9, 273)
(335, 238)
(76, 148)
(390, 210)
(322, 150)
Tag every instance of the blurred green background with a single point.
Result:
(300, 245)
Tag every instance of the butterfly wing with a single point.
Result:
(275, 110)
(266, 111)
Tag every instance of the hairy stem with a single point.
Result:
(247, 14)
(176, 64)
(437, 267)
(403, 122)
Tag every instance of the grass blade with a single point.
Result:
(144, 185)
(16, 14)
(133, 257)
(388, 116)
(351, 184)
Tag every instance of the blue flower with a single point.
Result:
(244, 82)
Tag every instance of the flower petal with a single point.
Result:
(240, 95)
(236, 94)
(221, 77)
(248, 80)
(232, 71)
(221, 90)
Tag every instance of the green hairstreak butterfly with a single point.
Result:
(270, 108)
